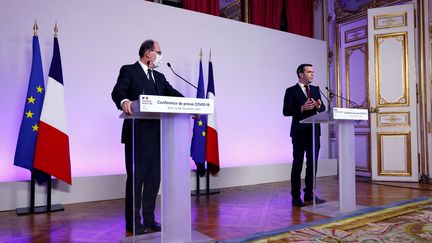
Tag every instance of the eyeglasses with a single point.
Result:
(158, 52)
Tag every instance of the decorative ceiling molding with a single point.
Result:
(347, 8)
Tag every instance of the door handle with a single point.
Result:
(373, 109)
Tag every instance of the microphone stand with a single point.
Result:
(332, 94)
(328, 100)
(169, 65)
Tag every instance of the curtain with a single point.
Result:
(266, 13)
(202, 6)
(300, 17)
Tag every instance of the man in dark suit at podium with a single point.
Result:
(134, 80)
(302, 101)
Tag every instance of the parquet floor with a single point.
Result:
(231, 214)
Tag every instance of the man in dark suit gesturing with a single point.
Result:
(134, 80)
(301, 101)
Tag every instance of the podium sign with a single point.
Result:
(168, 104)
(350, 114)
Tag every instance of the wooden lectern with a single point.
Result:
(174, 114)
(344, 118)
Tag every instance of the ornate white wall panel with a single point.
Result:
(390, 20)
(391, 69)
(393, 119)
(394, 154)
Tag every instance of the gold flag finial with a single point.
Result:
(210, 56)
(55, 29)
(201, 55)
(35, 28)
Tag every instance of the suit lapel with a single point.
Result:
(141, 76)
(301, 93)
(148, 86)
(157, 82)
(140, 71)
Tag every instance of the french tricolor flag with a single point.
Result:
(212, 144)
(52, 146)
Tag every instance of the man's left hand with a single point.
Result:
(318, 103)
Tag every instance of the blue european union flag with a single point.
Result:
(26, 144)
(198, 146)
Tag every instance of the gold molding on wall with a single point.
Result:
(408, 168)
(348, 51)
(398, 119)
(379, 40)
(355, 34)
(386, 21)
(368, 152)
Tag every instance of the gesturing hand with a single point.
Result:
(308, 105)
(318, 103)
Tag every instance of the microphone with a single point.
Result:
(332, 94)
(169, 65)
(328, 100)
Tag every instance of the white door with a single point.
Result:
(392, 84)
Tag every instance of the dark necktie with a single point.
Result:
(150, 77)
(308, 92)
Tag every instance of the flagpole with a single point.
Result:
(49, 184)
(32, 192)
(197, 192)
(31, 209)
(33, 178)
(35, 28)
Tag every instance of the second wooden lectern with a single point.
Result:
(344, 118)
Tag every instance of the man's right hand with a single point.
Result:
(308, 105)
(127, 107)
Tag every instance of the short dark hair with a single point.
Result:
(301, 68)
(146, 45)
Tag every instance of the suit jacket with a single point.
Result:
(293, 100)
(131, 83)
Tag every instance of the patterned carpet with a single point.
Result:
(407, 221)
